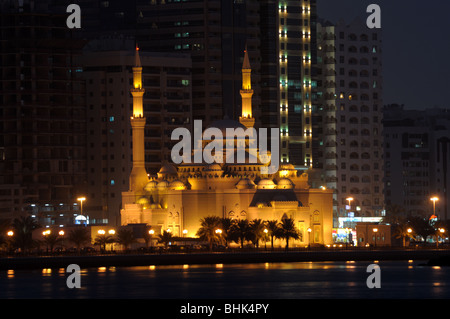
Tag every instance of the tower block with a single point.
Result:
(138, 176)
(246, 118)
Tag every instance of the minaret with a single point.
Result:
(138, 176)
(246, 93)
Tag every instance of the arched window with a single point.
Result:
(364, 49)
(366, 179)
(365, 155)
(354, 179)
(354, 155)
(353, 108)
(364, 85)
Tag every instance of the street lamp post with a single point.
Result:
(309, 237)
(265, 238)
(151, 232)
(349, 199)
(81, 200)
(434, 199)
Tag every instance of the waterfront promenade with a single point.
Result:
(248, 256)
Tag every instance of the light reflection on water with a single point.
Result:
(342, 280)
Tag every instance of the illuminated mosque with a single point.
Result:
(183, 194)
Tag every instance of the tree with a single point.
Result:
(165, 238)
(227, 224)
(421, 226)
(51, 240)
(240, 231)
(125, 237)
(208, 230)
(394, 215)
(103, 239)
(288, 230)
(79, 236)
(23, 230)
(273, 229)
(401, 231)
(256, 228)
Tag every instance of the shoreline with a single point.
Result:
(130, 260)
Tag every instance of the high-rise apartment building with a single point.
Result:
(297, 82)
(166, 106)
(42, 113)
(349, 121)
(416, 151)
(214, 33)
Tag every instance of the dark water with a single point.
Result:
(316, 280)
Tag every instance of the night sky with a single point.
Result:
(416, 44)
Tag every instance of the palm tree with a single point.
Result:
(421, 226)
(256, 228)
(125, 237)
(165, 238)
(394, 215)
(79, 236)
(240, 231)
(51, 240)
(208, 230)
(288, 230)
(23, 230)
(401, 231)
(227, 223)
(103, 239)
(274, 228)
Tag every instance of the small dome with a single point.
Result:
(163, 184)
(177, 185)
(285, 183)
(151, 185)
(167, 168)
(245, 183)
(224, 124)
(266, 183)
(143, 201)
(286, 166)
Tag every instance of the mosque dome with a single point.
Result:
(163, 184)
(245, 183)
(287, 166)
(222, 125)
(285, 183)
(177, 185)
(151, 185)
(266, 183)
(167, 168)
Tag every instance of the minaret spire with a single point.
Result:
(138, 176)
(246, 92)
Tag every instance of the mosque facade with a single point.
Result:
(181, 195)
